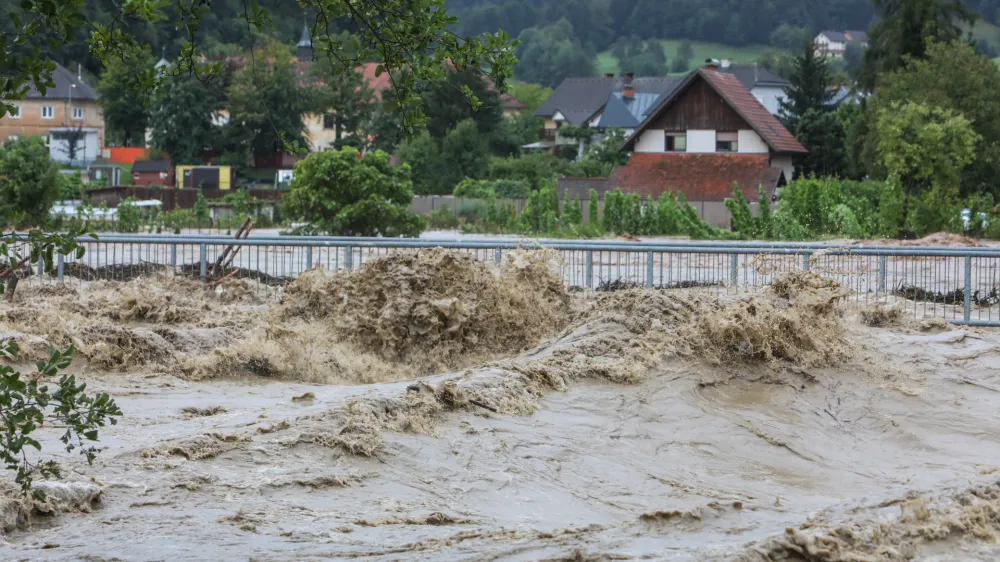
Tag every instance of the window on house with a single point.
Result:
(329, 121)
(48, 112)
(727, 142)
(16, 114)
(677, 142)
(77, 113)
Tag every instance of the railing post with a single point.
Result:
(649, 268)
(882, 273)
(204, 261)
(734, 268)
(967, 305)
(309, 257)
(173, 256)
(348, 257)
(60, 267)
(497, 255)
(589, 272)
(805, 261)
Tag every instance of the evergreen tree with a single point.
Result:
(810, 81)
(903, 29)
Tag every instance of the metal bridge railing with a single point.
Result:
(956, 284)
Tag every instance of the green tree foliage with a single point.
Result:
(266, 107)
(573, 211)
(181, 117)
(70, 186)
(421, 153)
(421, 41)
(905, 27)
(810, 81)
(201, 211)
(789, 36)
(531, 95)
(29, 182)
(125, 109)
(608, 150)
(343, 98)
(483, 189)
(668, 215)
(129, 216)
(346, 194)
(685, 51)
(600, 22)
(594, 208)
(643, 58)
(780, 64)
(927, 148)
(953, 77)
(445, 103)
(813, 207)
(823, 133)
(29, 403)
(854, 60)
(466, 153)
(549, 54)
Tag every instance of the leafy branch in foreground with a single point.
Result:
(19, 250)
(27, 404)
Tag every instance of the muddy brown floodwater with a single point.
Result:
(428, 407)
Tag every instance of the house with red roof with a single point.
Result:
(707, 135)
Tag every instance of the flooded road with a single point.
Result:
(649, 425)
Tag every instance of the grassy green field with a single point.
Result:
(607, 63)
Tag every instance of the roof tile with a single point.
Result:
(740, 98)
(700, 177)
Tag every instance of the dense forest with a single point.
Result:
(573, 30)
(222, 31)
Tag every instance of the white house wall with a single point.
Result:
(651, 141)
(785, 163)
(751, 143)
(700, 142)
(770, 97)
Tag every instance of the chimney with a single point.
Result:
(726, 63)
(628, 91)
(711, 64)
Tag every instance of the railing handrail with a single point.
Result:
(693, 247)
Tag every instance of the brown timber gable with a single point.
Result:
(700, 107)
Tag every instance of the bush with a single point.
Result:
(481, 189)
(347, 194)
(70, 186)
(573, 212)
(472, 211)
(201, 210)
(129, 216)
(890, 208)
(442, 218)
(594, 209)
(31, 182)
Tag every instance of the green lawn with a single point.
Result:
(607, 63)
